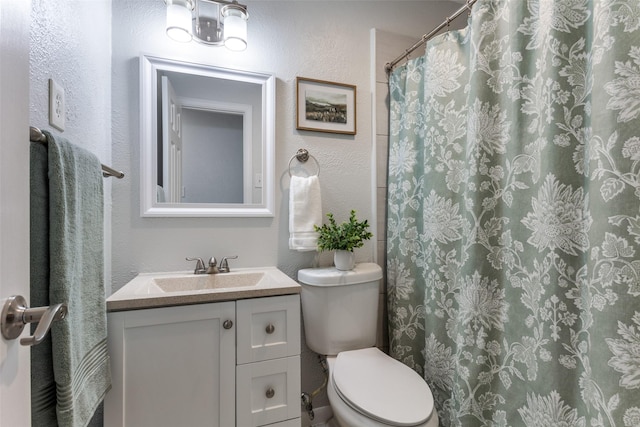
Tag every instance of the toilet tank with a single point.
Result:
(340, 308)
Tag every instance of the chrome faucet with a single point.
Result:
(224, 264)
(213, 265)
(212, 269)
(199, 265)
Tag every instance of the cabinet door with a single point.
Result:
(172, 366)
(268, 328)
(268, 392)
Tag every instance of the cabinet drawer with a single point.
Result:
(268, 328)
(268, 391)
(289, 423)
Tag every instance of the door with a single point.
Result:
(15, 405)
(171, 143)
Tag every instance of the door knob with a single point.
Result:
(15, 315)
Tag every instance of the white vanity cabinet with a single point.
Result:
(233, 363)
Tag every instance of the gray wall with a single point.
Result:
(212, 154)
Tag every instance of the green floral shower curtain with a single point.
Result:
(514, 215)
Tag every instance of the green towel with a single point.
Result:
(43, 390)
(76, 261)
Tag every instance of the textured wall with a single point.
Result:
(316, 39)
(71, 43)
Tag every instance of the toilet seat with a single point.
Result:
(381, 388)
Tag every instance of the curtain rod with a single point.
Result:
(425, 38)
(36, 135)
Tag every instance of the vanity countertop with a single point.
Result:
(152, 290)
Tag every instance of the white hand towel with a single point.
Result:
(305, 211)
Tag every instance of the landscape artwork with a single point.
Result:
(324, 106)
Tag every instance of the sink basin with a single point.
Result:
(151, 290)
(207, 281)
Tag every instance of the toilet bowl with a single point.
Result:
(366, 387)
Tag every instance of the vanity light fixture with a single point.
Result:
(211, 22)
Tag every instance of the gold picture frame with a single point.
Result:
(324, 106)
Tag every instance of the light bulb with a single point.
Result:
(235, 27)
(179, 21)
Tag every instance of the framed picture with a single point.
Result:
(325, 106)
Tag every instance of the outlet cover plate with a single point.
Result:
(56, 105)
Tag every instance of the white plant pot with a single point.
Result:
(344, 260)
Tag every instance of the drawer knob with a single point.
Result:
(270, 328)
(270, 393)
(227, 324)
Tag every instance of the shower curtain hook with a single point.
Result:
(468, 8)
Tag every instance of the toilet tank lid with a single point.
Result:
(331, 276)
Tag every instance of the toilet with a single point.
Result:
(366, 387)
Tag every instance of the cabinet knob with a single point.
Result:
(270, 393)
(270, 328)
(227, 324)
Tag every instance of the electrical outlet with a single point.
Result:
(56, 105)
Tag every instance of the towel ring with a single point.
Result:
(303, 155)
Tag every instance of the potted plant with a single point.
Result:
(343, 238)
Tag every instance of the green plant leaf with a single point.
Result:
(345, 236)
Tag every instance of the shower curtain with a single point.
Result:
(513, 231)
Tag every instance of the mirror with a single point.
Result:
(207, 140)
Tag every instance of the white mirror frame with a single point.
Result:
(149, 207)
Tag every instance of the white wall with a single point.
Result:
(71, 43)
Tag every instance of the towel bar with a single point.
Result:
(15, 315)
(36, 135)
(303, 155)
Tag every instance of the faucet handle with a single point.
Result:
(199, 265)
(224, 264)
